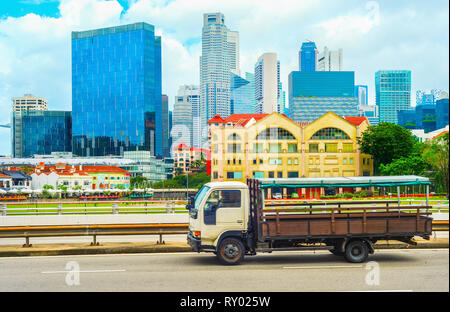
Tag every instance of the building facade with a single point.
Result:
(219, 58)
(186, 124)
(184, 156)
(362, 94)
(330, 60)
(243, 94)
(116, 90)
(312, 94)
(275, 146)
(151, 167)
(267, 84)
(442, 105)
(427, 98)
(308, 57)
(29, 102)
(165, 126)
(40, 132)
(392, 93)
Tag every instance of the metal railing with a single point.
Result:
(148, 207)
(95, 230)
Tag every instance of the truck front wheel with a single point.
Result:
(231, 251)
(356, 251)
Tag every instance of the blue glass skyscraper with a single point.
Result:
(307, 56)
(392, 93)
(41, 132)
(313, 94)
(243, 94)
(116, 90)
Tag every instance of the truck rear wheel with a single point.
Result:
(231, 251)
(356, 251)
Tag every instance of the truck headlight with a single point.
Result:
(196, 234)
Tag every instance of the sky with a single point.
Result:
(35, 44)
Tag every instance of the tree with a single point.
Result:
(436, 153)
(411, 165)
(386, 142)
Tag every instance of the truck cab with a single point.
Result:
(219, 212)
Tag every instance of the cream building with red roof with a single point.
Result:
(274, 146)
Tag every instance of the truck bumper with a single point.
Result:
(196, 245)
(193, 242)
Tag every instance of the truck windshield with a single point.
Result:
(200, 195)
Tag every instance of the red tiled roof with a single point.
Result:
(237, 119)
(356, 120)
(216, 119)
(105, 169)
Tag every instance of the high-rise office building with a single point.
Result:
(424, 98)
(361, 92)
(165, 125)
(312, 94)
(29, 102)
(267, 84)
(330, 60)
(442, 108)
(392, 93)
(116, 90)
(243, 94)
(41, 132)
(220, 58)
(186, 116)
(308, 57)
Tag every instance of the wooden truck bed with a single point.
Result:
(355, 221)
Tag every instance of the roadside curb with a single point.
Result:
(129, 248)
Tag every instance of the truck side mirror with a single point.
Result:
(191, 202)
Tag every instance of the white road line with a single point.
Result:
(325, 267)
(88, 271)
(395, 290)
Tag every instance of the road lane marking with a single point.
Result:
(86, 271)
(394, 290)
(325, 267)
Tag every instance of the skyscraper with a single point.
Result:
(424, 98)
(220, 58)
(392, 93)
(165, 125)
(116, 90)
(308, 57)
(29, 102)
(41, 132)
(267, 83)
(243, 94)
(313, 94)
(362, 94)
(186, 124)
(330, 60)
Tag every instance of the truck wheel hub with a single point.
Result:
(231, 251)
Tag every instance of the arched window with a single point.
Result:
(330, 134)
(275, 134)
(234, 137)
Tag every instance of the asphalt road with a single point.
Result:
(388, 270)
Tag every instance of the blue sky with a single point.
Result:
(374, 35)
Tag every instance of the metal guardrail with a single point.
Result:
(114, 209)
(95, 230)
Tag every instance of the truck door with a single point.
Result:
(224, 211)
